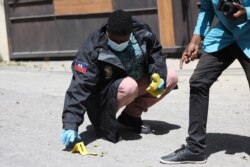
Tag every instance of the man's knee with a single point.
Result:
(129, 86)
(128, 90)
(172, 78)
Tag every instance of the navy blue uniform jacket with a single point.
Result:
(95, 88)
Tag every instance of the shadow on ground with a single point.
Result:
(161, 127)
(158, 128)
(229, 143)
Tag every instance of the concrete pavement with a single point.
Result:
(31, 102)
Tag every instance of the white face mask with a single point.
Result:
(118, 47)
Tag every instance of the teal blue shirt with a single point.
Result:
(226, 31)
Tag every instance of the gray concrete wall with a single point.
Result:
(4, 51)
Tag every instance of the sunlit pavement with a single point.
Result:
(31, 102)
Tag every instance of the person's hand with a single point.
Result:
(69, 136)
(240, 14)
(191, 52)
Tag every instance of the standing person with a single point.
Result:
(112, 69)
(228, 40)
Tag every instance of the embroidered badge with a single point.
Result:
(81, 66)
(108, 72)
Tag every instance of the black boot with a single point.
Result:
(136, 124)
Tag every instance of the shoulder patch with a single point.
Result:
(81, 66)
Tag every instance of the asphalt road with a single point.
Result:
(31, 102)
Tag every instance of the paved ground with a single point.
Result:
(31, 102)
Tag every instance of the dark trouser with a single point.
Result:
(209, 68)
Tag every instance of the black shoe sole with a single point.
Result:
(183, 162)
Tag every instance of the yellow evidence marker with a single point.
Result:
(152, 88)
(80, 147)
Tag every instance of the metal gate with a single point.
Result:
(36, 29)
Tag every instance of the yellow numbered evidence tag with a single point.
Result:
(80, 147)
(152, 89)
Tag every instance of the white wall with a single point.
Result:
(4, 51)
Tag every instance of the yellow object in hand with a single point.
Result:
(156, 80)
(80, 147)
(153, 87)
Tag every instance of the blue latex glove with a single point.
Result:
(69, 136)
(161, 87)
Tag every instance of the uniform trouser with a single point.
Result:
(209, 68)
(133, 95)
